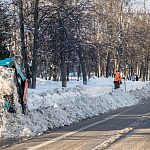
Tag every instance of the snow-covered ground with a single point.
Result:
(51, 106)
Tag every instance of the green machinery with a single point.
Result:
(21, 81)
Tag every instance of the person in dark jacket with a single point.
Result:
(136, 77)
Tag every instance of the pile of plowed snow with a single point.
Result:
(7, 87)
(55, 107)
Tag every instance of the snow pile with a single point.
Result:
(55, 107)
(7, 85)
(143, 93)
(134, 85)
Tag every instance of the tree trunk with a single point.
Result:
(144, 73)
(63, 69)
(89, 74)
(79, 72)
(97, 70)
(84, 72)
(35, 44)
(83, 67)
(67, 72)
(23, 47)
(108, 65)
(141, 70)
(147, 67)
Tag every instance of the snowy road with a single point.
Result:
(94, 133)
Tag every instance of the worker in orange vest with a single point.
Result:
(117, 80)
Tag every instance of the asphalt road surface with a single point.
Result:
(93, 133)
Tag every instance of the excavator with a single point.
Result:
(20, 81)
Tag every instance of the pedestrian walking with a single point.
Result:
(117, 80)
(136, 77)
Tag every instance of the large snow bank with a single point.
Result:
(7, 88)
(51, 106)
(7, 85)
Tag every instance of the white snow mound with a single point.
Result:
(54, 107)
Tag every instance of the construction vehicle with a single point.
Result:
(20, 81)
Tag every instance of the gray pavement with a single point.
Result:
(139, 139)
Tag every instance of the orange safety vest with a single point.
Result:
(117, 77)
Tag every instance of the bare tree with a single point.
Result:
(35, 44)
